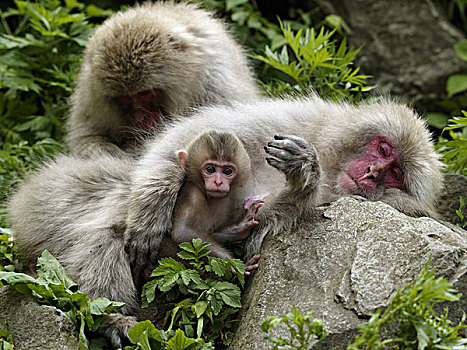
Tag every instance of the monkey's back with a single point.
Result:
(64, 199)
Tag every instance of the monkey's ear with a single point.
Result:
(182, 156)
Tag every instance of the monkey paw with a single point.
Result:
(296, 158)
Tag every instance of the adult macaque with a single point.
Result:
(147, 63)
(380, 150)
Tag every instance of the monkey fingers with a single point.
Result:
(252, 264)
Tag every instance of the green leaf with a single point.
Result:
(456, 83)
(461, 49)
(49, 270)
(200, 308)
(141, 333)
(180, 341)
(438, 120)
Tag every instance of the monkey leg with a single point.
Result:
(99, 265)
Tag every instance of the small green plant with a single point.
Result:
(53, 287)
(417, 326)
(6, 341)
(312, 60)
(146, 337)
(41, 44)
(302, 328)
(461, 210)
(203, 299)
(6, 251)
(454, 150)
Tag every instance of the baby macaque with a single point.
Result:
(213, 203)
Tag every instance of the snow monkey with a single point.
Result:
(147, 63)
(215, 190)
(215, 202)
(79, 209)
(378, 150)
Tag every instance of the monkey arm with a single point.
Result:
(298, 160)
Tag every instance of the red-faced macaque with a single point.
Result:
(147, 63)
(379, 150)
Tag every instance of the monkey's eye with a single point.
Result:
(394, 174)
(228, 171)
(144, 93)
(210, 169)
(382, 151)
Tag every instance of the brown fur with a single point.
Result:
(181, 50)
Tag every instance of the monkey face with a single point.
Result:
(379, 167)
(143, 108)
(218, 177)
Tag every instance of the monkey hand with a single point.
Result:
(297, 159)
(252, 264)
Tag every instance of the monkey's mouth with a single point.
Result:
(348, 184)
(217, 194)
(145, 119)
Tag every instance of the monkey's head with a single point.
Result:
(217, 162)
(396, 155)
(142, 60)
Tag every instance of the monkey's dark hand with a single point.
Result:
(297, 159)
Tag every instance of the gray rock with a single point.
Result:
(455, 186)
(408, 46)
(343, 262)
(35, 326)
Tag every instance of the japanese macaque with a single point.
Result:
(214, 196)
(378, 150)
(215, 202)
(147, 63)
(87, 212)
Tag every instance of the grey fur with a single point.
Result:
(179, 48)
(78, 209)
(338, 132)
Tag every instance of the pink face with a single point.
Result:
(217, 178)
(143, 108)
(379, 167)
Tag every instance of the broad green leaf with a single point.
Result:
(200, 307)
(180, 341)
(461, 49)
(49, 270)
(456, 83)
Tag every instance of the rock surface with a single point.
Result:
(408, 46)
(343, 263)
(455, 186)
(35, 326)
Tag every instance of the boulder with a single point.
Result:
(35, 326)
(343, 262)
(408, 46)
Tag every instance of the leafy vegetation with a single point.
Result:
(411, 314)
(202, 300)
(454, 149)
(146, 337)
(41, 44)
(6, 251)
(302, 329)
(316, 62)
(53, 287)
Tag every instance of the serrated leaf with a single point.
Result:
(230, 293)
(149, 293)
(219, 266)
